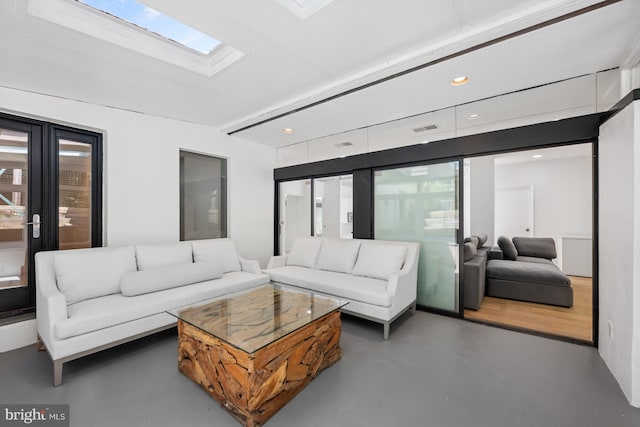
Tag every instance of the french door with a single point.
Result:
(50, 198)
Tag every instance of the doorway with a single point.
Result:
(50, 198)
(540, 195)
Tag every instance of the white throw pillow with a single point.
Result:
(338, 255)
(161, 278)
(304, 251)
(379, 261)
(154, 256)
(220, 250)
(90, 273)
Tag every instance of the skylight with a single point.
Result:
(151, 20)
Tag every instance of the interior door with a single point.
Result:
(20, 212)
(514, 209)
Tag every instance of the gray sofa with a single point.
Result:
(476, 255)
(526, 272)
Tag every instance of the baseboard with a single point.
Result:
(17, 335)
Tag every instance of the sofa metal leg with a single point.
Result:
(57, 372)
(40, 344)
(386, 330)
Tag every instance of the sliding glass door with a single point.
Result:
(421, 204)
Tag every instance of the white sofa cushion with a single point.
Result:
(341, 285)
(153, 256)
(304, 251)
(338, 255)
(100, 313)
(220, 250)
(90, 273)
(379, 260)
(157, 279)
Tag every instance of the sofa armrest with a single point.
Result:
(250, 266)
(495, 253)
(404, 289)
(51, 304)
(277, 261)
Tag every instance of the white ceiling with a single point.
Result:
(291, 62)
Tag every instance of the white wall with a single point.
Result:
(619, 248)
(481, 198)
(563, 193)
(141, 171)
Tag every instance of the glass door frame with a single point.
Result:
(459, 234)
(43, 197)
(18, 300)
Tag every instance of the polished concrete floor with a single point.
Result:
(434, 371)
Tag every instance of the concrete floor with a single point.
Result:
(434, 371)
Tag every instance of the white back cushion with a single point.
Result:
(304, 251)
(90, 273)
(154, 256)
(380, 261)
(338, 255)
(161, 278)
(220, 250)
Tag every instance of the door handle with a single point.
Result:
(36, 226)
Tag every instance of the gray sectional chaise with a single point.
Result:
(526, 272)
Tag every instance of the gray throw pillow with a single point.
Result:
(507, 247)
(539, 247)
(482, 239)
(474, 240)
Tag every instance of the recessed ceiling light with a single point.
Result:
(537, 156)
(287, 130)
(426, 141)
(459, 81)
(473, 116)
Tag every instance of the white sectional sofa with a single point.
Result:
(378, 278)
(88, 300)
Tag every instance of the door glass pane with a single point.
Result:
(74, 203)
(333, 206)
(420, 204)
(13, 207)
(295, 212)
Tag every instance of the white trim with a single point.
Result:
(78, 17)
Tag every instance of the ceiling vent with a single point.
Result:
(343, 144)
(425, 128)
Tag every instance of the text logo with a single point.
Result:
(34, 415)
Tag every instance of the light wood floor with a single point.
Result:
(574, 322)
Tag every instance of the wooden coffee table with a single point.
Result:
(254, 351)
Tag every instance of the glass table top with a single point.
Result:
(252, 319)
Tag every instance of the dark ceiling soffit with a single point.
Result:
(634, 95)
(434, 62)
(561, 132)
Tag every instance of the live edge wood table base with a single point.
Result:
(254, 386)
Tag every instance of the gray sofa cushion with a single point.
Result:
(530, 272)
(541, 247)
(469, 251)
(509, 250)
(534, 259)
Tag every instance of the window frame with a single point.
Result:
(223, 212)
